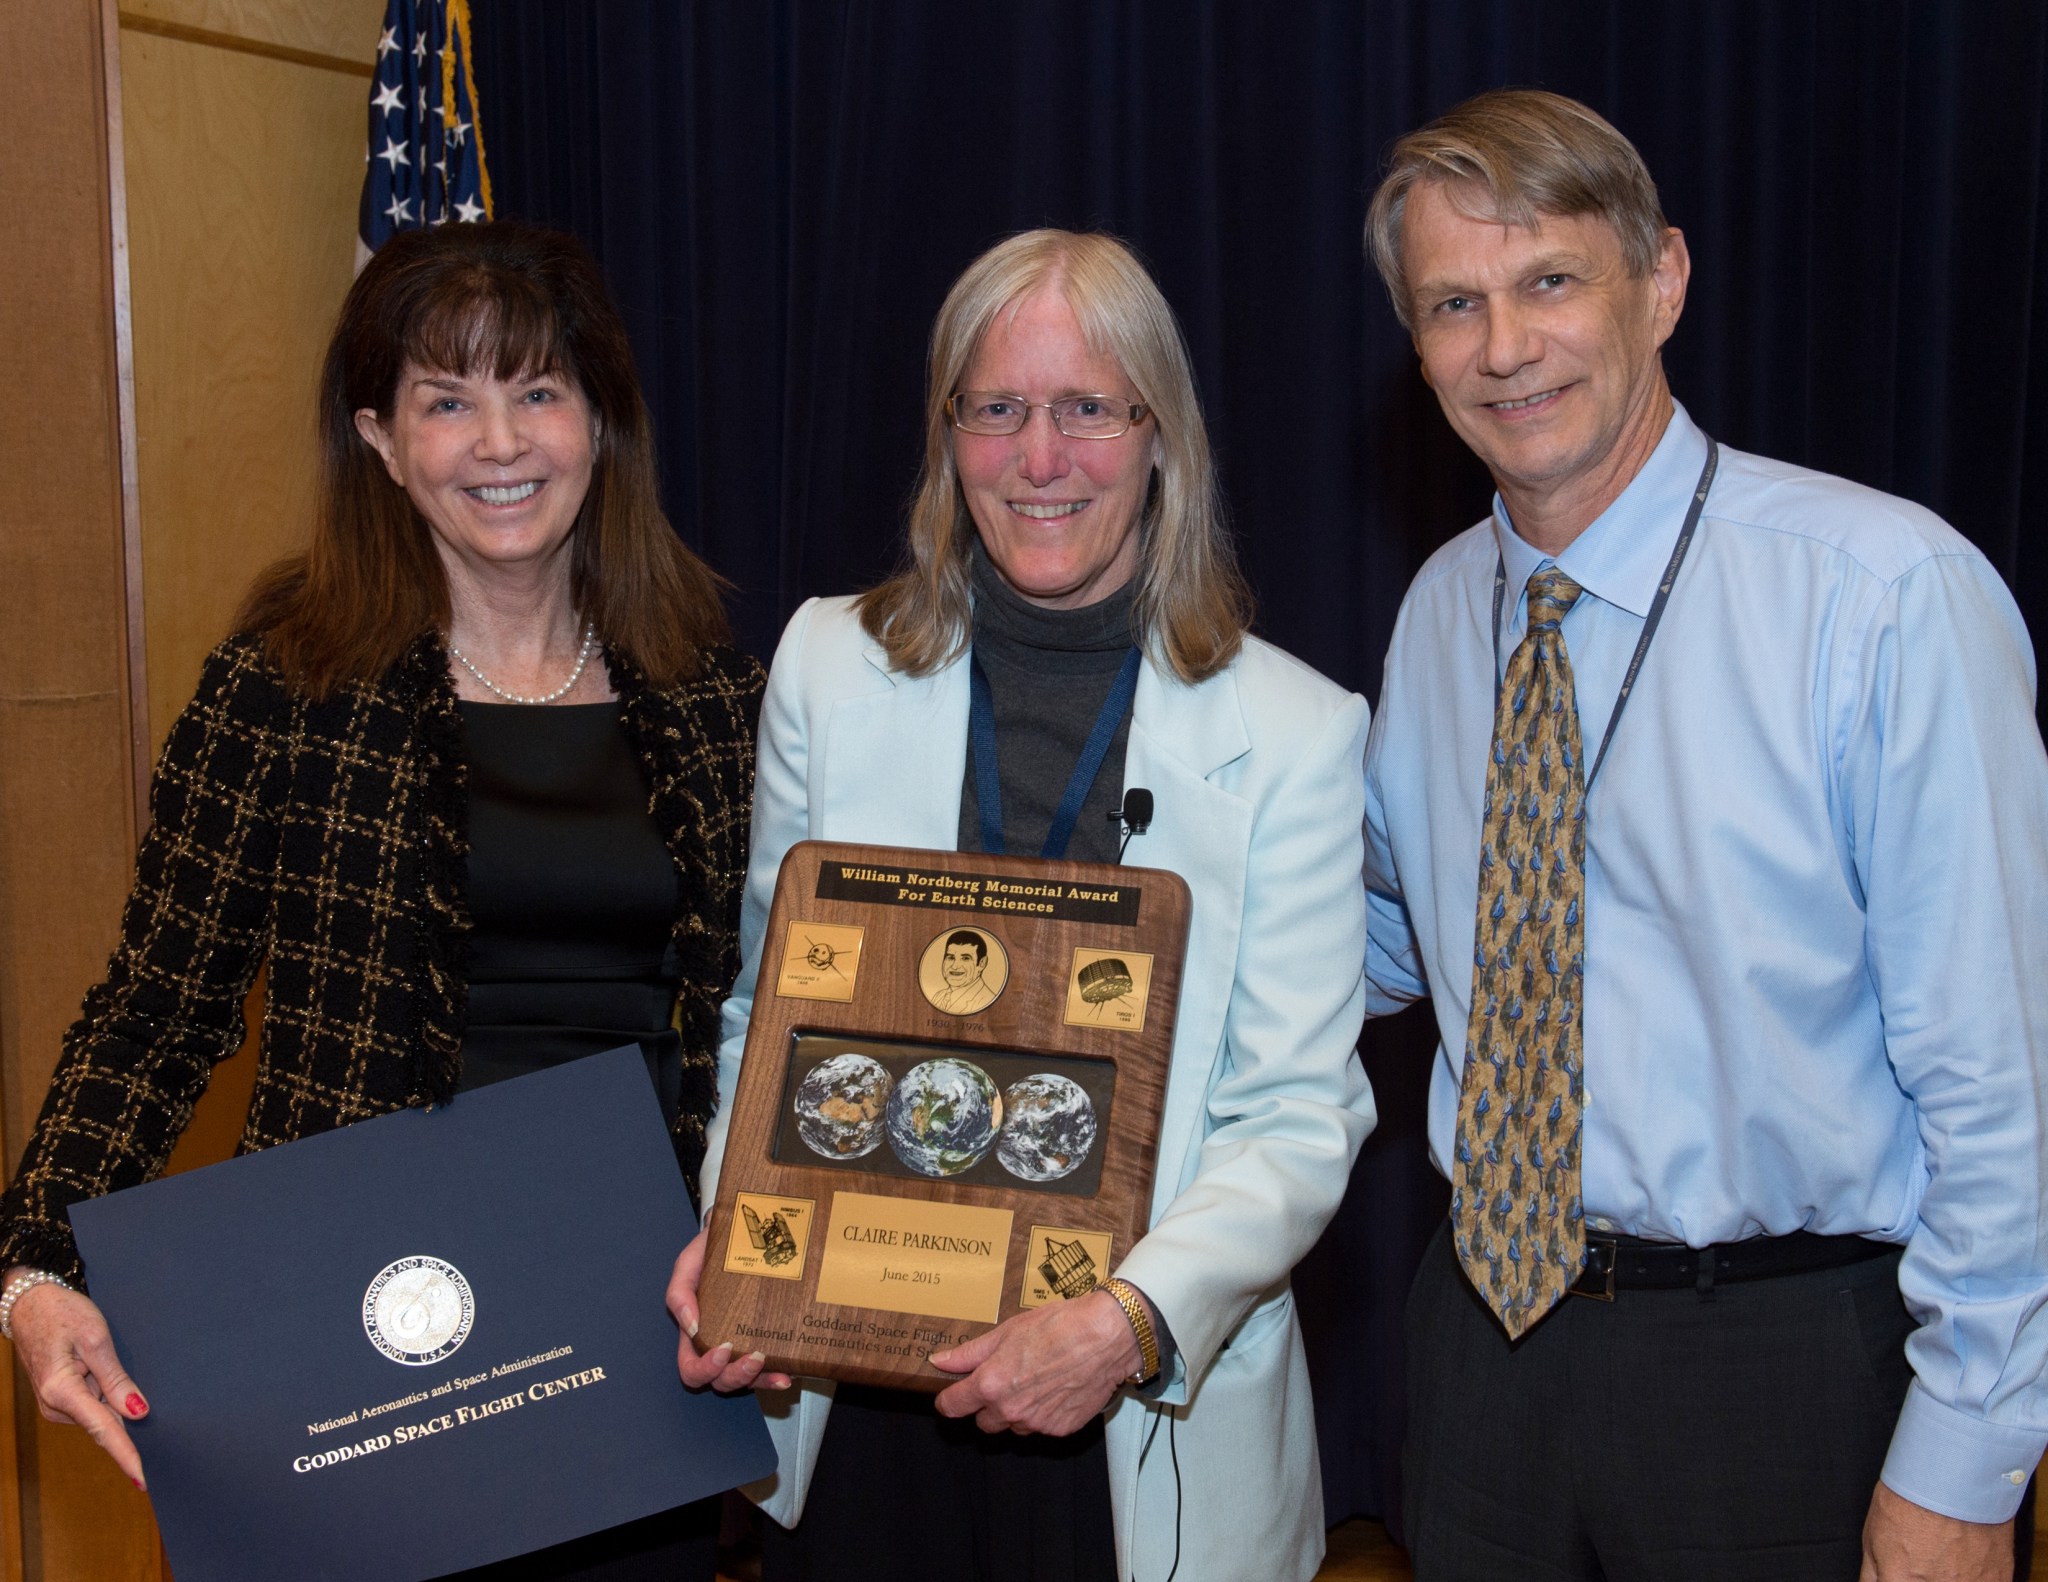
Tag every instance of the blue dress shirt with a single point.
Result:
(1816, 903)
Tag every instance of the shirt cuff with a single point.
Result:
(1958, 1465)
(1169, 1357)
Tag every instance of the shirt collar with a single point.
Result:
(1621, 555)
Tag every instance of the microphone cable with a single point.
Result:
(1173, 1449)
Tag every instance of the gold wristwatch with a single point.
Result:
(1133, 1304)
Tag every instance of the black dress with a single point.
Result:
(572, 897)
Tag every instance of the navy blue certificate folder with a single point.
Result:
(419, 1343)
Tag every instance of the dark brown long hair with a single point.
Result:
(509, 301)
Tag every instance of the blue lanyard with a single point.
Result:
(988, 791)
(1635, 663)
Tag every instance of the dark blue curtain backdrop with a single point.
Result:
(782, 192)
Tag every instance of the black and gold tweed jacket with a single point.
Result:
(327, 839)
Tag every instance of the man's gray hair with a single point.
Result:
(1514, 155)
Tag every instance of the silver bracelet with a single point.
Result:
(19, 1287)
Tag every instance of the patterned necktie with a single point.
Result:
(1515, 1209)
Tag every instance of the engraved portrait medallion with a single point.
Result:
(963, 970)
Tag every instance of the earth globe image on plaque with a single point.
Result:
(1048, 1127)
(840, 1105)
(943, 1116)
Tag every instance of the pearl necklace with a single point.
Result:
(582, 658)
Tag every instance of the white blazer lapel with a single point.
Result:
(1180, 737)
(890, 767)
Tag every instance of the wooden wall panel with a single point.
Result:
(242, 181)
(267, 156)
(344, 28)
(65, 771)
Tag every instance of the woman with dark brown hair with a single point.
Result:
(471, 777)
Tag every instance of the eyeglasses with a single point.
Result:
(1078, 417)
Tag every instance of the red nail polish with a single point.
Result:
(136, 1481)
(136, 1404)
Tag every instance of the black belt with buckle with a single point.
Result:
(1627, 1263)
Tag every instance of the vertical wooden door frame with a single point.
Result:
(124, 382)
(122, 308)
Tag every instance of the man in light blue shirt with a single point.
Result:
(1815, 885)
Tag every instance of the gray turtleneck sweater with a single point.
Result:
(1048, 672)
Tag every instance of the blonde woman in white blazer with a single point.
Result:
(1100, 498)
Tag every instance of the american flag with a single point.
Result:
(426, 152)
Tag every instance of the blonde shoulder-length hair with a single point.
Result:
(1192, 604)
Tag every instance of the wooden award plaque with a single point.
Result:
(949, 1107)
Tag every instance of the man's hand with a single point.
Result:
(65, 1349)
(1045, 1371)
(1904, 1542)
(718, 1367)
